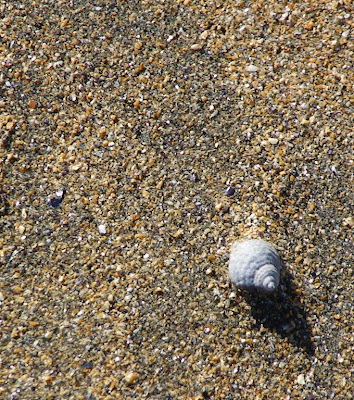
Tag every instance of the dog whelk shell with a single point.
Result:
(254, 266)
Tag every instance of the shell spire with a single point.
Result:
(254, 266)
(266, 279)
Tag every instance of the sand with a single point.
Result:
(139, 140)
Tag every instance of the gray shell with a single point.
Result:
(254, 266)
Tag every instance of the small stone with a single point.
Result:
(273, 141)
(220, 207)
(102, 132)
(32, 104)
(204, 35)
(130, 377)
(284, 16)
(56, 201)
(73, 97)
(48, 335)
(196, 46)
(230, 191)
(17, 289)
(301, 379)
(251, 68)
(76, 167)
(102, 229)
(140, 235)
(10, 125)
(87, 365)
(47, 379)
(60, 193)
(178, 233)
(309, 25)
(311, 206)
(194, 178)
(349, 221)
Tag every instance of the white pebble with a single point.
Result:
(102, 229)
(301, 379)
(251, 68)
(273, 140)
(196, 46)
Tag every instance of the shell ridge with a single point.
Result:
(265, 275)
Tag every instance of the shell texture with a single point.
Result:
(254, 266)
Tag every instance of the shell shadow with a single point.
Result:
(283, 312)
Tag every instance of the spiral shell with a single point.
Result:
(254, 266)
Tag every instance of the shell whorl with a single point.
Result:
(266, 278)
(254, 266)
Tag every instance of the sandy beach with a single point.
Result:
(138, 141)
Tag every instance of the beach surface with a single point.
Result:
(138, 141)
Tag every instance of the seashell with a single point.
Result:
(254, 266)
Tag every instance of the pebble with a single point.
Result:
(32, 104)
(197, 46)
(102, 229)
(56, 201)
(349, 221)
(301, 379)
(194, 178)
(251, 68)
(131, 377)
(87, 365)
(273, 141)
(230, 191)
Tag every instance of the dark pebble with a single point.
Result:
(195, 178)
(87, 365)
(230, 191)
(55, 202)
